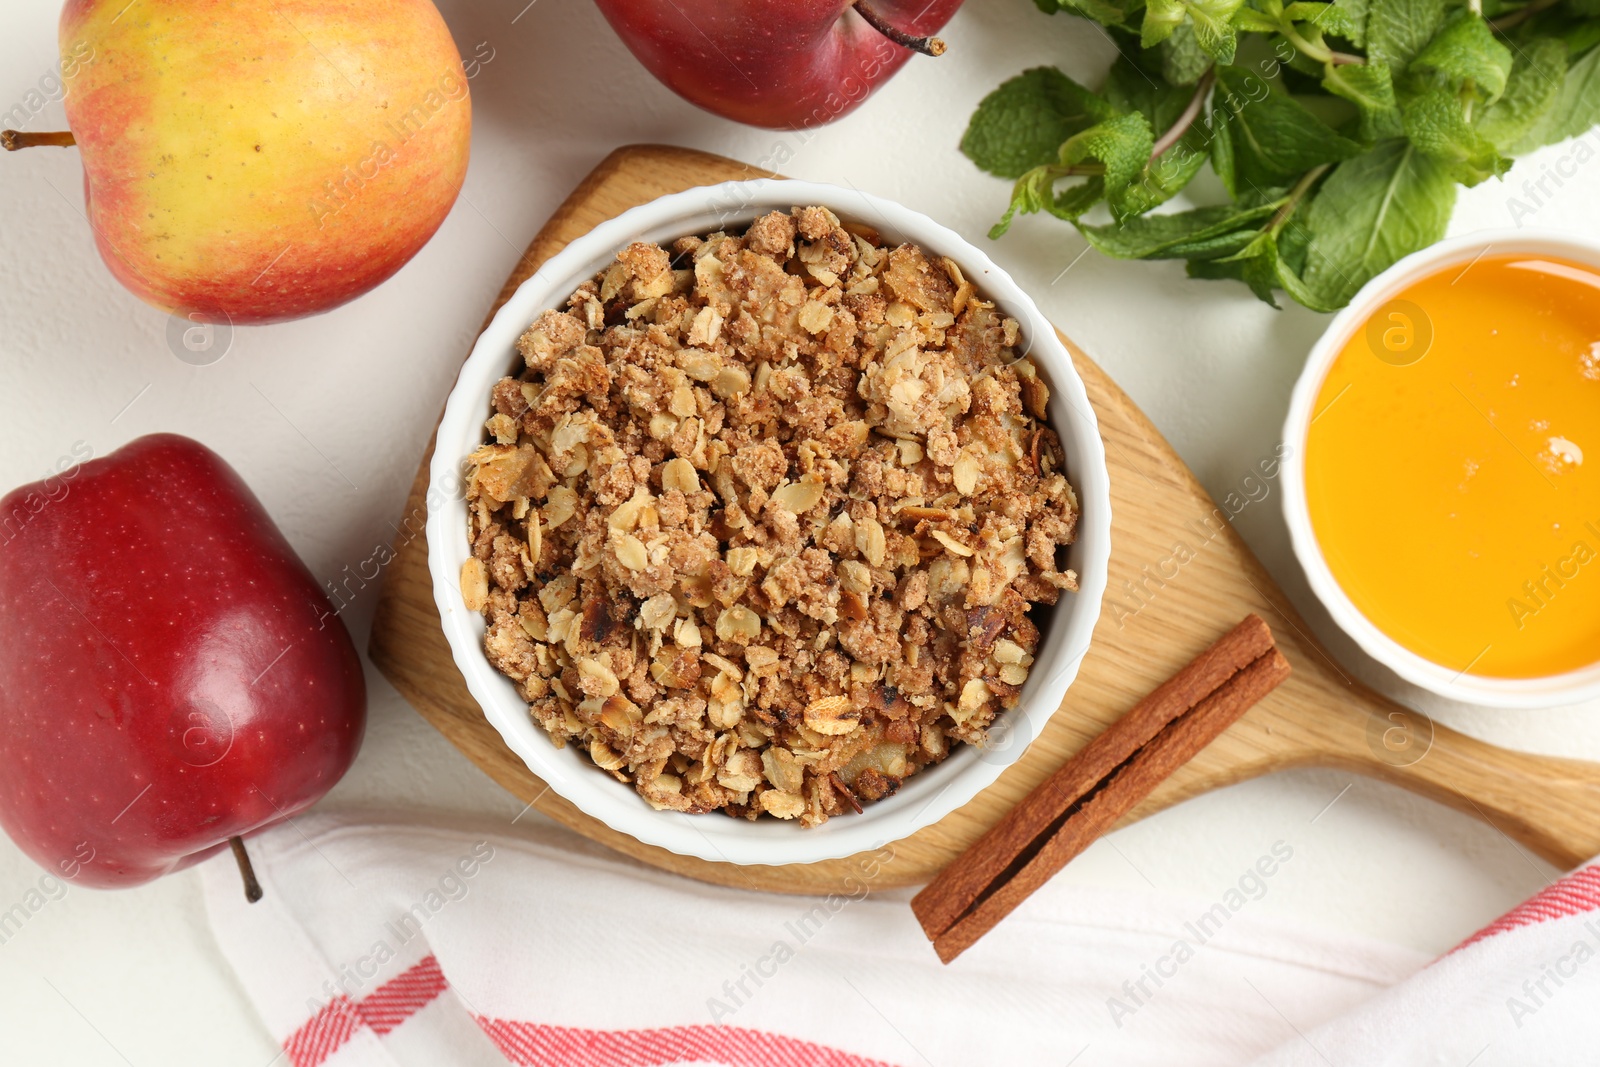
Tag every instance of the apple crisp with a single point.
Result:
(760, 525)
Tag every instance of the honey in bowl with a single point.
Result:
(1452, 467)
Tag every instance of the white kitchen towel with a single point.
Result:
(381, 943)
(1523, 990)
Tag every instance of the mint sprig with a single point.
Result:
(1340, 130)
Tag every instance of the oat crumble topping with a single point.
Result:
(760, 524)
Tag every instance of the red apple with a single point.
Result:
(779, 63)
(171, 677)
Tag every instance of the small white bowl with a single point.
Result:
(927, 796)
(1550, 691)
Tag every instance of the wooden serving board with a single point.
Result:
(1317, 718)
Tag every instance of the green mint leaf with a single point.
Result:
(1035, 192)
(1258, 197)
(1128, 88)
(1123, 144)
(1356, 14)
(1288, 263)
(1398, 29)
(1582, 37)
(1161, 17)
(1213, 27)
(1270, 136)
(1254, 270)
(1264, 266)
(1049, 7)
(1260, 259)
(1220, 243)
(1436, 124)
(1210, 20)
(1181, 235)
(1293, 239)
(1182, 58)
(1465, 50)
(999, 229)
(1517, 118)
(1224, 160)
(1329, 18)
(1219, 246)
(1302, 293)
(1165, 177)
(1106, 14)
(1303, 63)
(1022, 124)
(1216, 270)
(1578, 109)
(1370, 212)
(1249, 20)
(1370, 87)
(1076, 199)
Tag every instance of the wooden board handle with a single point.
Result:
(1548, 804)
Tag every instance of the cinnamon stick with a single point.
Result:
(960, 884)
(1091, 791)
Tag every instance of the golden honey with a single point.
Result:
(1453, 467)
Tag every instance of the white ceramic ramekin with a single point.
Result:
(1453, 683)
(927, 796)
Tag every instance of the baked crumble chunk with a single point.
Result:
(760, 524)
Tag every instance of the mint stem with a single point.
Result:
(1191, 111)
(1318, 49)
(1296, 195)
(1320, 53)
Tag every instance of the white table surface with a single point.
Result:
(326, 418)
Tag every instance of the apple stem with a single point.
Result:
(252, 888)
(11, 140)
(928, 46)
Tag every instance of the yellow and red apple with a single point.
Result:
(262, 161)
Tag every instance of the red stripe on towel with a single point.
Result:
(1575, 894)
(389, 1005)
(539, 1045)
